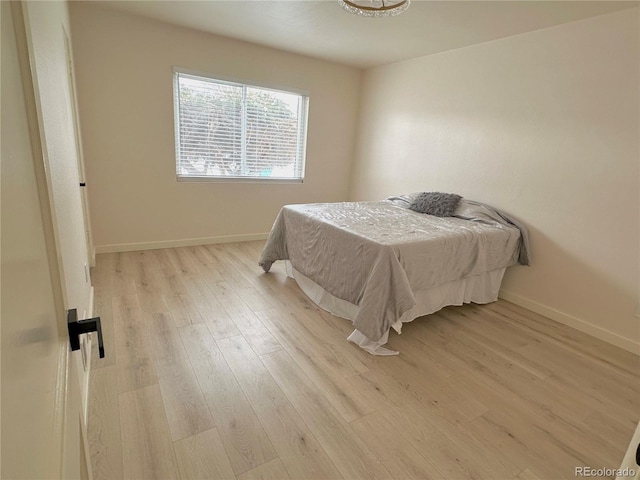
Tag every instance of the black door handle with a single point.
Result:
(77, 327)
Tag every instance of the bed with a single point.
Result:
(381, 264)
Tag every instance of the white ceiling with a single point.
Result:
(320, 28)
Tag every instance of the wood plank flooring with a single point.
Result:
(215, 370)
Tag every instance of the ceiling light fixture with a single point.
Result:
(375, 8)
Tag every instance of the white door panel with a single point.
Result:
(47, 24)
(41, 425)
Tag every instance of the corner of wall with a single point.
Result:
(613, 338)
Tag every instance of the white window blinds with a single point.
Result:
(229, 130)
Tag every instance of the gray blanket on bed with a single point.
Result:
(376, 254)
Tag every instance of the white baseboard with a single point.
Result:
(187, 242)
(571, 321)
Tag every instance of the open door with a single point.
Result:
(47, 29)
(42, 430)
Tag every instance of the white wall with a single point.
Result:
(124, 80)
(543, 125)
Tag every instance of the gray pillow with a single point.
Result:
(436, 203)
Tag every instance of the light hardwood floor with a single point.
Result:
(215, 370)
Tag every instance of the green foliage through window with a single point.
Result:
(230, 130)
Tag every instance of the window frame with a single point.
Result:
(220, 79)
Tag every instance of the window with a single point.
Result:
(232, 131)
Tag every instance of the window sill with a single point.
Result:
(205, 179)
